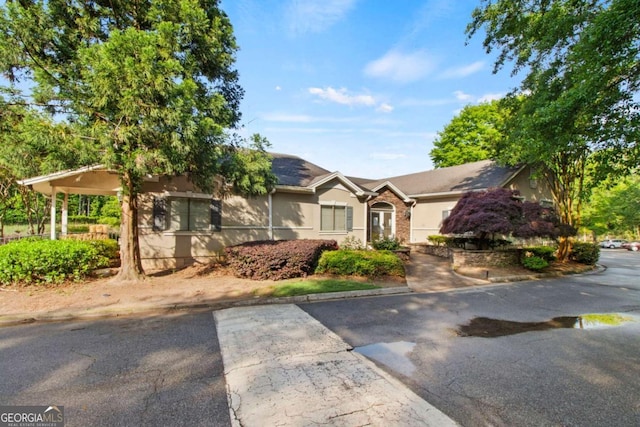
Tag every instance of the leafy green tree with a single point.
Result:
(580, 104)
(614, 207)
(474, 134)
(153, 83)
(32, 144)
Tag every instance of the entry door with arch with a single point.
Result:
(382, 221)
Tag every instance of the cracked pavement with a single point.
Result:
(282, 367)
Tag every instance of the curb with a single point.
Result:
(536, 276)
(160, 309)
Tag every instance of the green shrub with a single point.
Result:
(386, 244)
(585, 253)
(547, 253)
(110, 221)
(82, 219)
(360, 263)
(534, 263)
(106, 247)
(52, 261)
(438, 239)
(78, 228)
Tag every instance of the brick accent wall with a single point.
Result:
(403, 224)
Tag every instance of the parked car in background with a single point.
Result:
(631, 246)
(612, 243)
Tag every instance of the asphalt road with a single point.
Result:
(158, 371)
(568, 377)
(168, 370)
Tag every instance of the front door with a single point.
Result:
(382, 224)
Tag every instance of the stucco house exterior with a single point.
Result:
(179, 225)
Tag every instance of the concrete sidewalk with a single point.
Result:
(284, 368)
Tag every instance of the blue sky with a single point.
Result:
(361, 87)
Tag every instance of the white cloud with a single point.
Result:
(463, 71)
(314, 16)
(279, 117)
(278, 88)
(488, 97)
(401, 67)
(384, 108)
(341, 96)
(464, 97)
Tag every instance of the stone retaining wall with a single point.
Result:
(467, 258)
(503, 258)
(424, 248)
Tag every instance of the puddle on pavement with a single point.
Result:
(392, 354)
(491, 328)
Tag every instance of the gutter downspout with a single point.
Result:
(270, 204)
(415, 202)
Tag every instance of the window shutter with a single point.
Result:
(159, 213)
(216, 215)
(349, 218)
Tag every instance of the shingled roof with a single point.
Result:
(295, 171)
(462, 178)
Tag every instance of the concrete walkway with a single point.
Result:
(429, 273)
(284, 368)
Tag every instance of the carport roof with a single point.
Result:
(93, 180)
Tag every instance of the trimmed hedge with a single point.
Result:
(277, 259)
(53, 261)
(386, 244)
(360, 263)
(547, 253)
(535, 263)
(585, 253)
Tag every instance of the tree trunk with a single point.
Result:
(130, 263)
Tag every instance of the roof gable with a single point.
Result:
(456, 179)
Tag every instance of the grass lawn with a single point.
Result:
(314, 286)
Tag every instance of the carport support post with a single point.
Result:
(65, 213)
(54, 195)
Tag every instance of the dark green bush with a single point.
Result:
(277, 259)
(534, 263)
(360, 263)
(585, 253)
(386, 244)
(547, 253)
(52, 261)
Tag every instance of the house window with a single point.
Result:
(336, 218)
(187, 214)
(446, 213)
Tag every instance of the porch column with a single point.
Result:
(65, 213)
(366, 221)
(54, 195)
